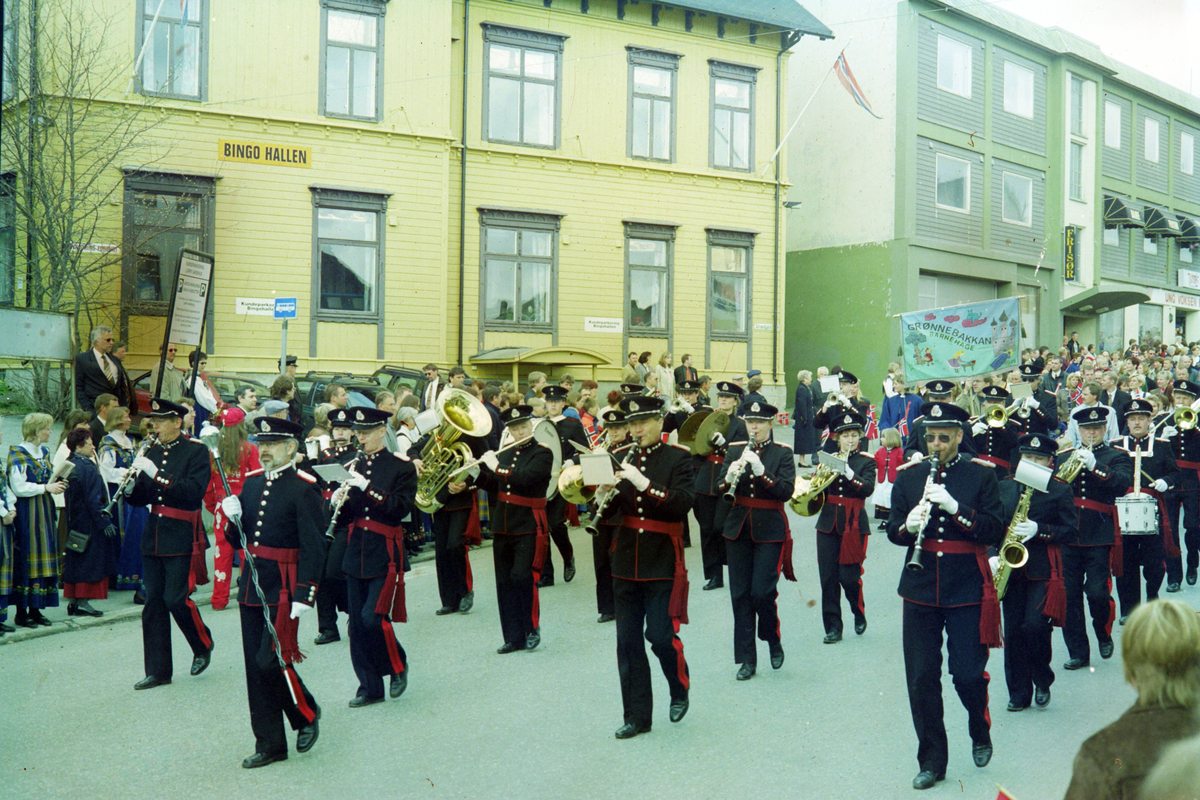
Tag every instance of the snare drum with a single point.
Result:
(1137, 515)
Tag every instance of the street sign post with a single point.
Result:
(285, 309)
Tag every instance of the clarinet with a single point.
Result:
(593, 525)
(337, 508)
(914, 564)
(130, 473)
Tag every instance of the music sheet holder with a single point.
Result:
(1034, 475)
(597, 469)
(331, 473)
(831, 461)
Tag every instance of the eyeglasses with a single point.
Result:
(944, 438)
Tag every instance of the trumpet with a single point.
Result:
(926, 505)
(1071, 468)
(679, 404)
(130, 474)
(337, 508)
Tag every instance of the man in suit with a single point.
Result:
(1112, 396)
(1055, 378)
(433, 388)
(97, 372)
(104, 403)
(685, 371)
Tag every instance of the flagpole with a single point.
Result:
(137, 64)
(801, 114)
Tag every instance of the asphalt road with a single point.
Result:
(833, 723)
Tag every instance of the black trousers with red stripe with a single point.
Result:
(374, 650)
(450, 554)
(602, 560)
(267, 691)
(710, 516)
(753, 590)
(1140, 555)
(513, 560)
(923, 626)
(556, 515)
(1086, 572)
(167, 581)
(1027, 645)
(642, 609)
(1189, 501)
(847, 577)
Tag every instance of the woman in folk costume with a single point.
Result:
(240, 458)
(117, 452)
(8, 513)
(85, 573)
(35, 550)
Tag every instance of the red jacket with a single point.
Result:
(248, 462)
(886, 462)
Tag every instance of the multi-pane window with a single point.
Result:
(1017, 202)
(1150, 245)
(519, 258)
(1076, 106)
(648, 252)
(1151, 133)
(521, 86)
(8, 238)
(1112, 125)
(1018, 90)
(1076, 171)
(954, 66)
(348, 249)
(732, 134)
(353, 44)
(729, 284)
(164, 214)
(1187, 153)
(8, 65)
(953, 183)
(174, 49)
(652, 104)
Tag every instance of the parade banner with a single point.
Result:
(961, 341)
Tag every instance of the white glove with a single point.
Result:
(231, 507)
(849, 472)
(9, 517)
(298, 609)
(634, 475)
(1026, 530)
(490, 459)
(313, 448)
(1170, 432)
(686, 406)
(718, 439)
(339, 496)
(1159, 485)
(1088, 458)
(994, 563)
(145, 465)
(358, 481)
(1032, 403)
(755, 463)
(913, 522)
(120, 473)
(915, 457)
(939, 495)
(978, 428)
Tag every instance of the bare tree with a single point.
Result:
(68, 132)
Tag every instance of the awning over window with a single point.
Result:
(1189, 230)
(1105, 297)
(541, 357)
(1120, 213)
(1160, 223)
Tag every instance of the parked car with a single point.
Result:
(310, 391)
(392, 377)
(226, 384)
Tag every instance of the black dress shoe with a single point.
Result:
(38, 618)
(1076, 663)
(606, 618)
(569, 570)
(860, 625)
(776, 655)
(544, 582)
(678, 709)
(833, 638)
(150, 681)
(139, 599)
(1017, 707)
(262, 759)
(201, 662)
(363, 700)
(926, 778)
(23, 621)
(715, 583)
(629, 730)
(982, 753)
(533, 639)
(72, 609)
(1172, 587)
(467, 603)
(510, 647)
(306, 737)
(445, 610)
(1191, 576)
(85, 611)
(1106, 649)
(398, 683)
(746, 672)
(6, 628)
(326, 637)
(1041, 696)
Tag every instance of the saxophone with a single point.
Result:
(1013, 553)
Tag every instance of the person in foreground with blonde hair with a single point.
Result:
(1160, 648)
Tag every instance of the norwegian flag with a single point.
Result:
(903, 428)
(872, 425)
(593, 433)
(842, 68)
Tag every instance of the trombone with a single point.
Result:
(1184, 418)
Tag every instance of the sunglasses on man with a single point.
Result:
(944, 438)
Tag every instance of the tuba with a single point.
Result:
(461, 414)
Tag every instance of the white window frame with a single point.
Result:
(1018, 89)
(664, 234)
(375, 14)
(1150, 129)
(731, 73)
(170, 27)
(361, 202)
(519, 223)
(1187, 153)
(640, 58)
(524, 40)
(731, 240)
(1112, 124)
(960, 79)
(1028, 220)
(966, 209)
(1075, 171)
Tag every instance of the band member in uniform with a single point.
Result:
(455, 529)
(1186, 493)
(570, 430)
(710, 507)
(843, 527)
(915, 449)
(1144, 554)
(1105, 476)
(834, 406)
(173, 476)
(617, 431)
(380, 492)
(519, 477)
(654, 494)
(279, 508)
(758, 541)
(995, 444)
(1034, 597)
(331, 592)
(949, 505)
(1043, 408)
(686, 397)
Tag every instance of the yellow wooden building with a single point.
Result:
(484, 182)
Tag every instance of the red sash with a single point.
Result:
(1115, 559)
(679, 585)
(538, 504)
(199, 567)
(785, 555)
(854, 548)
(391, 596)
(1056, 592)
(286, 629)
(989, 614)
